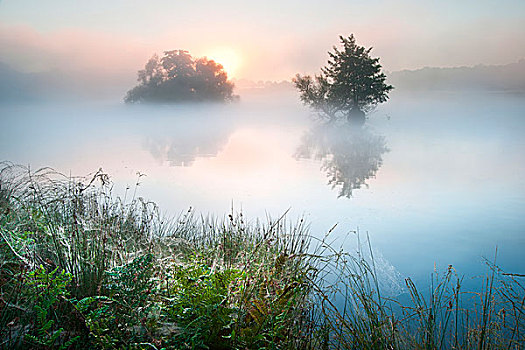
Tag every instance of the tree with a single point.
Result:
(351, 85)
(178, 77)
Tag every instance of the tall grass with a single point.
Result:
(83, 269)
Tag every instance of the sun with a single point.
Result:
(228, 58)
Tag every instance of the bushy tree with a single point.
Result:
(178, 77)
(351, 85)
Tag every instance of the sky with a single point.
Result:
(256, 40)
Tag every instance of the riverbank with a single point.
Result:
(83, 269)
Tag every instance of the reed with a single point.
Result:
(83, 269)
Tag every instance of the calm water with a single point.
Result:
(434, 179)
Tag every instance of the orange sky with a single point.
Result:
(262, 41)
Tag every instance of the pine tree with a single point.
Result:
(351, 85)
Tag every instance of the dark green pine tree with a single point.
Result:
(351, 85)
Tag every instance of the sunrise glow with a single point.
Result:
(228, 58)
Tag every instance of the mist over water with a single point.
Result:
(435, 178)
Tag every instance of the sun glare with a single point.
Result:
(228, 58)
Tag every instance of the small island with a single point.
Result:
(178, 77)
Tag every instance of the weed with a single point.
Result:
(80, 268)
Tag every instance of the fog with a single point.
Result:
(509, 78)
(433, 177)
(107, 87)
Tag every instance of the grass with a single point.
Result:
(83, 269)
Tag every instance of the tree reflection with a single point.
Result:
(181, 144)
(349, 155)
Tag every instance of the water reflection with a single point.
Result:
(182, 143)
(349, 155)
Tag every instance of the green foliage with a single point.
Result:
(201, 304)
(132, 283)
(178, 77)
(47, 293)
(126, 314)
(46, 337)
(224, 308)
(74, 224)
(351, 83)
(48, 287)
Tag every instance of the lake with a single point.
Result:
(435, 179)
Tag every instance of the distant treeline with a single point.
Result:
(509, 77)
(57, 84)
